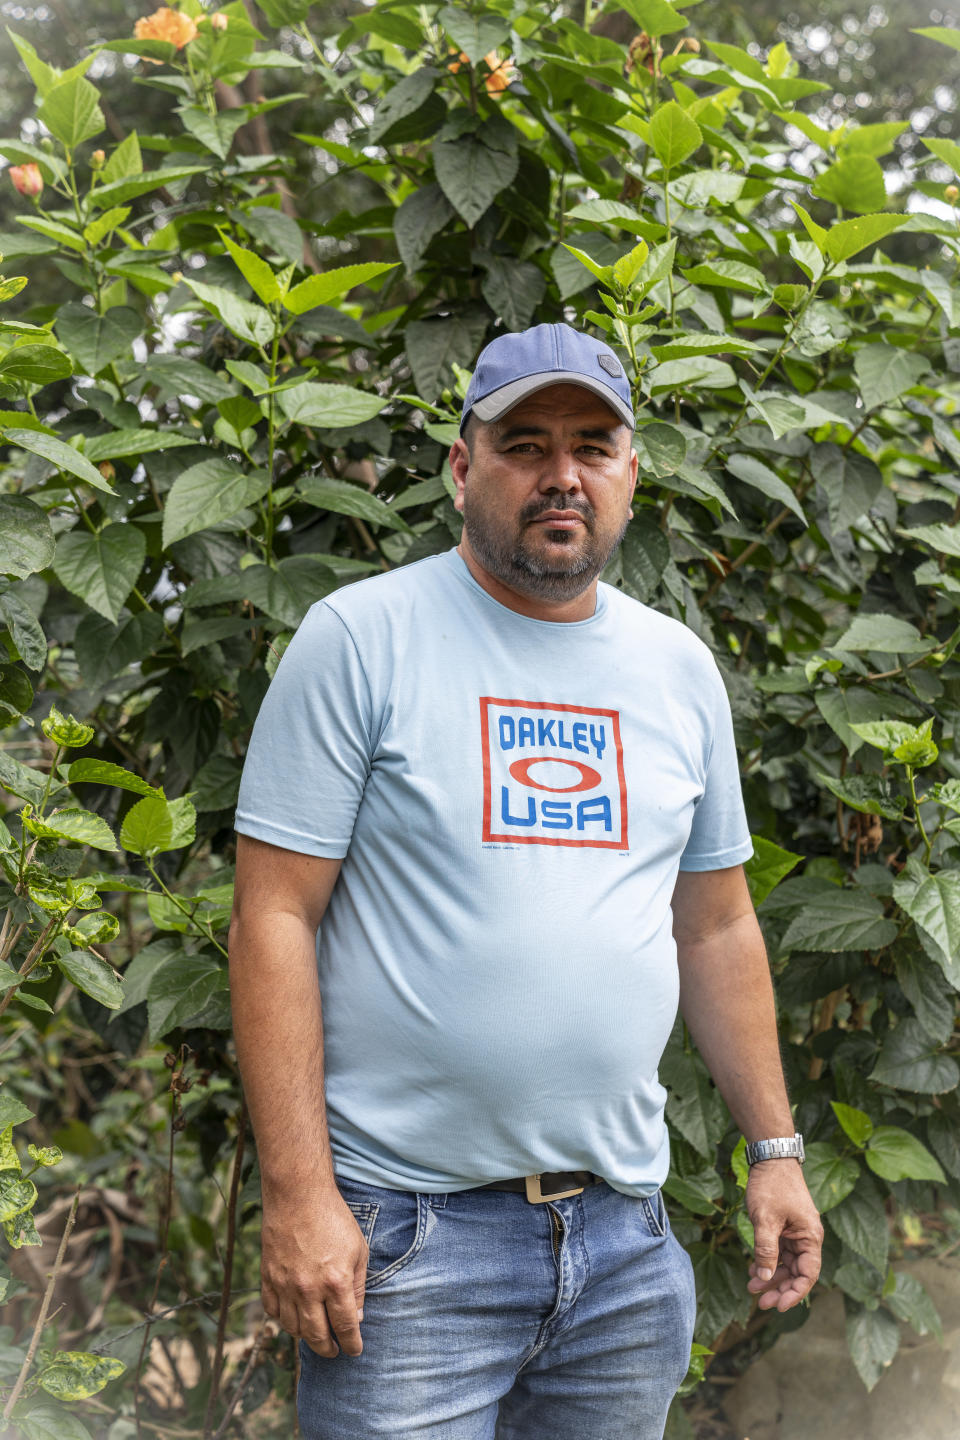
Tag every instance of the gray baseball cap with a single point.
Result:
(518, 364)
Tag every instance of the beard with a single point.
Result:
(562, 568)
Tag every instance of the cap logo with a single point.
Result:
(609, 364)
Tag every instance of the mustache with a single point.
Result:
(536, 508)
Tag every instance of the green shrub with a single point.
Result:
(222, 398)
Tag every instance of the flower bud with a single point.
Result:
(177, 276)
(98, 159)
(107, 470)
(27, 179)
(952, 194)
(219, 21)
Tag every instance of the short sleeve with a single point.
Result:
(310, 750)
(720, 835)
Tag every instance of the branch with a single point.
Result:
(44, 1310)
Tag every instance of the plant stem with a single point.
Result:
(214, 1393)
(44, 1311)
(205, 929)
(928, 843)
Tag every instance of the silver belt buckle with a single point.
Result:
(536, 1196)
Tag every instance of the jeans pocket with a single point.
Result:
(655, 1214)
(394, 1227)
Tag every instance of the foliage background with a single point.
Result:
(208, 420)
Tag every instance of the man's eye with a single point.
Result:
(524, 447)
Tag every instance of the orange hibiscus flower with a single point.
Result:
(166, 24)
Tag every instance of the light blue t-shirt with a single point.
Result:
(513, 799)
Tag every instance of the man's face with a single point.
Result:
(545, 493)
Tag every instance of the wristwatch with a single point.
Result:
(782, 1148)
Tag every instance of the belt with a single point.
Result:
(557, 1183)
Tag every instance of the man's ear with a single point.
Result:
(634, 466)
(459, 466)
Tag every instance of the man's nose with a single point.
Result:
(561, 472)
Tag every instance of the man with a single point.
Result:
(510, 794)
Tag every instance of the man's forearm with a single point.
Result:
(726, 999)
(278, 1030)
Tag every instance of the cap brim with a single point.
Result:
(495, 405)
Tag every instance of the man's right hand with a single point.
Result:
(313, 1271)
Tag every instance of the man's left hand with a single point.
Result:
(788, 1235)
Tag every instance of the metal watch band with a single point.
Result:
(783, 1147)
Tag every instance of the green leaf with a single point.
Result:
(118, 192)
(728, 274)
(816, 232)
(843, 919)
(122, 444)
(328, 406)
(242, 318)
(512, 288)
(909, 1301)
(753, 472)
(472, 172)
(257, 273)
(12, 1112)
(661, 449)
(103, 772)
(722, 1294)
(860, 1221)
(66, 729)
(97, 979)
(71, 111)
(910, 1060)
(95, 341)
(76, 1375)
(854, 182)
(701, 370)
(214, 131)
(942, 34)
(342, 498)
(35, 365)
(64, 457)
(101, 568)
(422, 215)
(886, 735)
(885, 372)
(123, 161)
(644, 555)
(851, 483)
(208, 493)
(43, 76)
(275, 231)
(872, 139)
(182, 991)
(104, 651)
(885, 633)
(321, 289)
(933, 904)
(767, 866)
(895, 1154)
(945, 538)
(105, 224)
(830, 1176)
(674, 135)
(49, 1422)
(870, 794)
(148, 827)
(601, 272)
(946, 150)
(80, 827)
(856, 1124)
(929, 992)
(402, 100)
(702, 343)
(873, 1338)
(476, 36)
(27, 541)
(657, 17)
(847, 237)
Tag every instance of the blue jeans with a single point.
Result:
(487, 1317)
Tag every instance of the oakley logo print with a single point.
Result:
(552, 774)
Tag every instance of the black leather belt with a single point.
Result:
(551, 1185)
